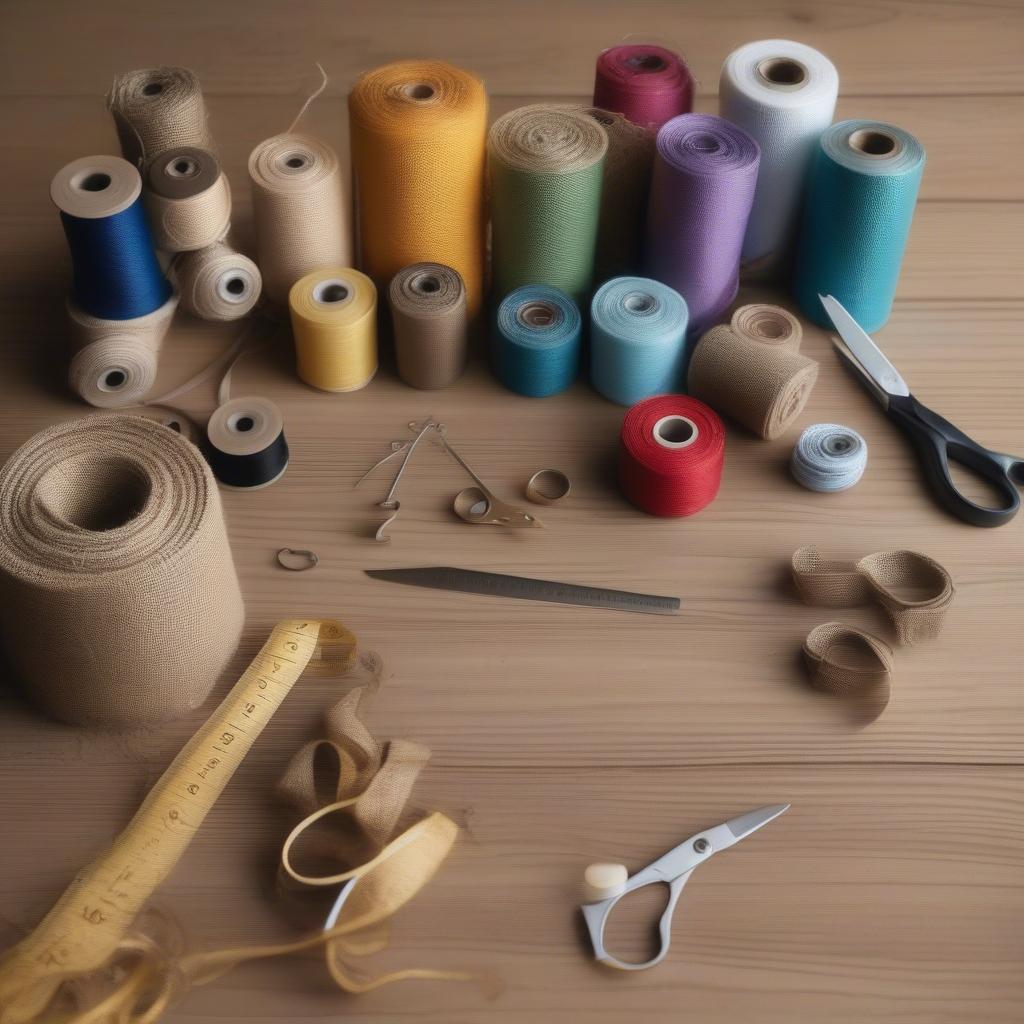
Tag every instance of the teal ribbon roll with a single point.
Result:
(637, 339)
(857, 216)
(536, 344)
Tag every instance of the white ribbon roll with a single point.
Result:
(829, 457)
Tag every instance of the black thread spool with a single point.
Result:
(245, 443)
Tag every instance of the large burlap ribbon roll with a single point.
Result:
(157, 108)
(302, 220)
(546, 167)
(915, 590)
(428, 314)
(119, 601)
(418, 151)
(747, 370)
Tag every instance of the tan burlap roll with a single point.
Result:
(119, 601)
(217, 283)
(115, 361)
(915, 590)
(763, 386)
(624, 185)
(302, 221)
(188, 199)
(428, 314)
(157, 108)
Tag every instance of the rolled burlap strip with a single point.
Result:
(119, 601)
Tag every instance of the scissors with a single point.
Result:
(937, 441)
(673, 869)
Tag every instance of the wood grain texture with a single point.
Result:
(891, 891)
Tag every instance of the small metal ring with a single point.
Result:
(285, 553)
(547, 486)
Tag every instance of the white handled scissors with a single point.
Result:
(674, 870)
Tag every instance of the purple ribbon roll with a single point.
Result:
(705, 171)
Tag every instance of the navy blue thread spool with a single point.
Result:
(116, 272)
(536, 345)
(245, 443)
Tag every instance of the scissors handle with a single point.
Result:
(938, 442)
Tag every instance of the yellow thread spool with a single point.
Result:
(334, 322)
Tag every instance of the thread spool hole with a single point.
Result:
(838, 445)
(426, 284)
(113, 380)
(244, 422)
(327, 292)
(94, 492)
(419, 91)
(872, 142)
(97, 181)
(782, 71)
(295, 162)
(646, 62)
(640, 302)
(675, 432)
(538, 314)
(182, 167)
(705, 143)
(235, 286)
(152, 88)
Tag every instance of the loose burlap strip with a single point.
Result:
(301, 214)
(157, 108)
(624, 185)
(115, 361)
(745, 371)
(119, 601)
(217, 283)
(850, 663)
(429, 319)
(914, 590)
(418, 153)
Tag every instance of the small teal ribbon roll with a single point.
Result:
(829, 457)
(857, 214)
(637, 339)
(536, 344)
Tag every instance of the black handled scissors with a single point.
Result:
(937, 441)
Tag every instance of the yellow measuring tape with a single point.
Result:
(89, 925)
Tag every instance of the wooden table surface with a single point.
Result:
(893, 891)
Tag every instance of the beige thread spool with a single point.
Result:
(188, 199)
(301, 213)
(334, 322)
(156, 109)
(429, 318)
(115, 361)
(217, 283)
(746, 371)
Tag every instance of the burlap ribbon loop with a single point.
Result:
(850, 663)
(914, 590)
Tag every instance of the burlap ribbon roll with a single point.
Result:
(914, 590)
(156, 109)
(115, 361)
(850, 663)
(119, 601)
(217, 283)
(302, 221)
(546, 165)
(746, 371)
(624, 185)
(429, 318)
(188, 199)
(418, 152)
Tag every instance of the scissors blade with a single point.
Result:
(867, 356)
(742, 826)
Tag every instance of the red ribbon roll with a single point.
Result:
(648, 84)
(671, 454)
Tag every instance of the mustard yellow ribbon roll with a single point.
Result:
(419, 131)
(334, 321)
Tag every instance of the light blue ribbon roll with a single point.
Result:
(857, 216)
(536, 344)
(637, 339)
(829, 457)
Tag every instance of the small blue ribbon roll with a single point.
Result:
(829, 457)
(637, 339)
(536, 345)
(116, 272)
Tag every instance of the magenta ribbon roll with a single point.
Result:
(705, 172)
(647, 84)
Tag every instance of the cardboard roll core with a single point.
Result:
(782, 73)
(875, 143)
(675, 432)
(538, 314)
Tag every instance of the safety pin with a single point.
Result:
(390, 502)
